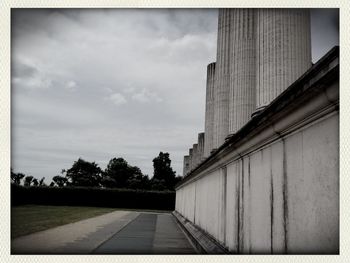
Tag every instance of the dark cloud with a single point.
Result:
(20, 70)
(324, 31)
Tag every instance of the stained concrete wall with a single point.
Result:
(185, 201)
(313, 188)
(283, 50)
(243, 68)
(203, 203)
(209, 110)
(282, 198)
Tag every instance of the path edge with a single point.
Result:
(204, 243)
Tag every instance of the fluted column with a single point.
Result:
(190, 161)
(222, 78)
(243, 68)
(195, 156)
(186, 165)
(283, 50)
(209, 110)
(200, 147)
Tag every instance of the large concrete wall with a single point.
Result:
(283, 50)
(313, 188)
(209, 110)
(202, 203)
(243, 68)
(274, 186)
(282, 198)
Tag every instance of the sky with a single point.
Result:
(103, 83)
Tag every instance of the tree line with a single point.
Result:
(118, 174)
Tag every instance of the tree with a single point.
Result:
(139, 182)
(84, 173)
(28, 180)
(35, 182)
(41, 182)
(16, 177)
(120, 174)
(60, 181)
(163, 171)
(158, 184)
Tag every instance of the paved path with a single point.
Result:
(119, 232)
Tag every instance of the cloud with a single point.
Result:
(34, 82)
(117, 99)
(129, 89)
(29, 77)
(22, 70)
(109, 90)
(71, 86)
(146, 96)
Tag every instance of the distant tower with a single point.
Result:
(190, 161)
(243, 68)
(195, 155)
(222, 77)
(186, 165)
(283, 51)
(200, 147)
(209, 110)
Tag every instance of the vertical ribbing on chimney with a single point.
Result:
(186, 165)
(222, 78)
(209, 110)
(200, 147)
(243, 69)
(190, 161)
(195, 156)
(283, 51)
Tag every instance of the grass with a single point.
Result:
(28, 219)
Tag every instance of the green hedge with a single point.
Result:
(85, 196)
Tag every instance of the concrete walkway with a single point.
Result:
(119, 232)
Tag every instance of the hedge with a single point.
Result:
(87, 196)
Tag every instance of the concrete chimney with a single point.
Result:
(195, 156)
(209, 110)
(200, 146)
(186, 165)
(190, 161)
(222, 77)
(283, 51)
(243, 68)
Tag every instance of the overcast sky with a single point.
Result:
(104, 83)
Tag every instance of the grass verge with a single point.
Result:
(28, 219)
